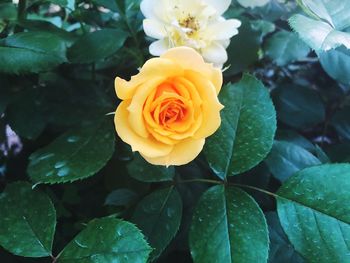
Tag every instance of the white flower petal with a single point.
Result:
(220, 5)
(222, 30)
(215, 53)
(159, 47)
(154, 8)
(225, 43)
(147, 8)
(154, 29)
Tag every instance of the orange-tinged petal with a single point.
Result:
(182, 153)
(135, 109)
(149, 146)
(155, 67)
(190, 59)
(210, 107)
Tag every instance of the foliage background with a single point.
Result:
(58, 61)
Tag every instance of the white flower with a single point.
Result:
(198, 24)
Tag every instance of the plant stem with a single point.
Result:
(255, 188)
(231, 184)
(22, 10)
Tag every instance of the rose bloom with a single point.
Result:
(198, 24)
(169, 107)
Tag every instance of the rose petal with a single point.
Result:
(154, 29)
(211, 106)
(215, 53)
(222, 30)
(154, 9)
(152, 68)
(219, 5)
(136, 106)
(182, 153)
(188, 58)
(159, 47)
(147, 146)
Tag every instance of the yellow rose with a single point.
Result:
(169, 107)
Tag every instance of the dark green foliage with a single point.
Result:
(271, 185)
(247, 129)
(27, 222)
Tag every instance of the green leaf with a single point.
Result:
(252, 3)
(304, 104)
(45, 26)
(77, 154)
(143, 171)
(274, 10)
(228, 226)
(281, 251)
(247, 129)
(5, 94)
(107, 240)
(335, 12)
(336, 63)
(295, 138)
(243, 50)
(27, 221)
(121, 197)
(286, 158)
(59, 2)
(31, 52)
(96, 45)
(285, 47)
(8, 11)
(321, 155)
(318, 35)
(158, 216)
(27, 106)
(341, 122)
(314, 212)
(263, 26)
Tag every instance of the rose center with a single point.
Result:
(169, 106)
(172, 111)
(190, 22)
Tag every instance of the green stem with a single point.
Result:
(22, 8)
(231, 184)
(255, 188)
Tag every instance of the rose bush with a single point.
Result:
(188, 163)
(169, 107)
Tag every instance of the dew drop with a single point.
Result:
(46, 156)
(59, 165)
(63, 172)
(170, 212)
(80, 244)
(73, 139)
